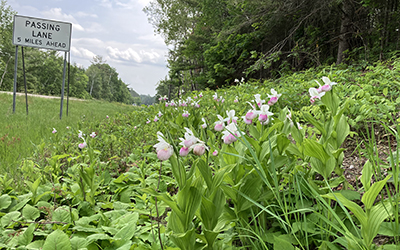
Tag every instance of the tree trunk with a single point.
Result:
(5, 71)
(345, 32)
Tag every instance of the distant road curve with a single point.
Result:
(43, 96)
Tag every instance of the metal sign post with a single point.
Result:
(15, 77)
(63, 85)
(44, 34)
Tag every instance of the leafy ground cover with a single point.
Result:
(254, 166)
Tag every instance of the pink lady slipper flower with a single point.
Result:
(201, 94)
(274, 97)
(236, 100)
(215, 153)
(164, 150)
(54, 131)
(93, 134)
(231, 116)
(315, 94)
(82, 145)
(219, 125)
(258, 100)
(247, 121)
(107, 116)
(185, 114)
(155, 118)
(263, 114)
(159, 114)
(229, 133)
(148, 121)
(251, 114)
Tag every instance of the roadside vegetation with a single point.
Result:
(261, 165)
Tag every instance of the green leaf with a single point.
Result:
(78, 243)
(370, 196)
(126, 233)
(352, 206)
(367, 172)
(314, 149)
(5, 201)
(62, 214)
(282, 142)
(57, 240)
(27, 236)
(10, 217)
(342, 131)
(37, 244)
(280, 243)
(30, 212)
(316, 123)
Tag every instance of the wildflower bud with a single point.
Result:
(199, 150)
(184, 151)
(263, 118)
(219, 127)
(251, 115)
(165, 153)
(326, 88)
(272, 101)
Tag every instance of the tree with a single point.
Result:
(6, 48)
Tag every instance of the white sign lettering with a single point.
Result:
(41, 33)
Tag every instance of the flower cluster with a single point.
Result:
(317, 93)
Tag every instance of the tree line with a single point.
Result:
(214, 42)
(44, 71)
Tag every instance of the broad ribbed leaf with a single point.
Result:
(370, 196)
(57, 240)
(30, 213)
(5, 201)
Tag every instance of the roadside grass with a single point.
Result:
(20, 132)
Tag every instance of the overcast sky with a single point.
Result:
(117, 30)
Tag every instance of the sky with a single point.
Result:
(117, 30)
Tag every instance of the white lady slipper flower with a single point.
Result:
(215, 96)
(189, 139)
(315, 94)
(328, 84)
(274, 97)
(231, 116)
(263, 114)
(81, 134)
(204, 125)
(236, 80)
(164, 150)
(219, 125)
(229, 133)
(258, 100)
(185, 113)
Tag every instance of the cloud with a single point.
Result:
(85, 14)
(82, 53)
(131, 55)
(57, 14)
